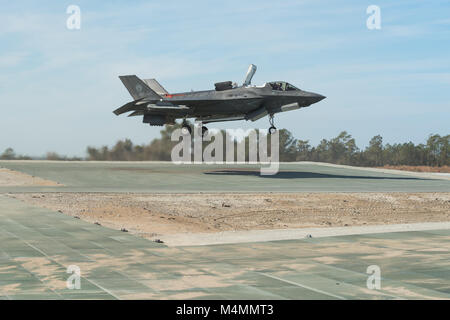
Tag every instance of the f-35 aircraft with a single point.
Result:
(228, 102)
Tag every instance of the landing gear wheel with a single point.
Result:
(186, 130)
(272, 130)
(204, 131)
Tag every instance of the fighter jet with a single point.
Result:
(228, 102)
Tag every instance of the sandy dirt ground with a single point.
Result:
(151, 216)
(11, 178)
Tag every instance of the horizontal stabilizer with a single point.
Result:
(125, 108)
(136, 113)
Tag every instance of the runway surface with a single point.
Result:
(169, 178)
(38, 245)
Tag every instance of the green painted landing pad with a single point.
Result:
(167, 177)
(37, 246)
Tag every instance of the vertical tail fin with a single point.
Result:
(138, 89)
(155, 86)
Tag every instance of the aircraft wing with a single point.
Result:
(141, 107)
(220, 118)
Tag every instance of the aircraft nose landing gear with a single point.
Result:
(272, 128)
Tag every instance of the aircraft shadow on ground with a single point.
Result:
(302, 175)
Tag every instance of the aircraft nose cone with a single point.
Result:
(317, 97)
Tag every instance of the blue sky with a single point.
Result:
(58, 87)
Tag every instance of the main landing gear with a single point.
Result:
(272, 128)
(204, 131)
(187, 130)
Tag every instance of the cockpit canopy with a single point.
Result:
(282, 86)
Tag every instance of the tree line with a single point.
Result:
(343, 150)
(339, 150)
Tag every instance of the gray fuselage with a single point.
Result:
(240, 100)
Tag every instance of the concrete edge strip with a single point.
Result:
(230, 237)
